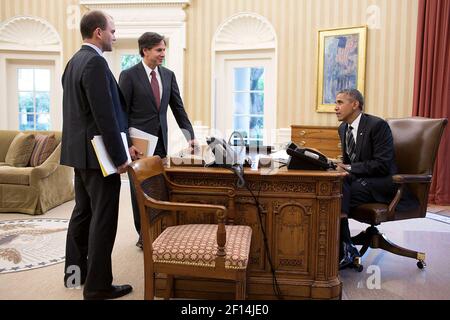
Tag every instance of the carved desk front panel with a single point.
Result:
(300, 214)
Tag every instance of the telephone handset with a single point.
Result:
(223, 154)
(307, 159)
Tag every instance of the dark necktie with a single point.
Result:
(350, 144)
(155, 89)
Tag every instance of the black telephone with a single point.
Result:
(224, 154)
(307, 159)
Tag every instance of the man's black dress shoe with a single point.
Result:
(113, 293)
(350, 257)
(139, 243)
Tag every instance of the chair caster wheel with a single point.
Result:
(357, 264)
(421, 264)
(359, 268)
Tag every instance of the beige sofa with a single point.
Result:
(33, 190)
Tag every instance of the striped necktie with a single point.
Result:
(350, 144)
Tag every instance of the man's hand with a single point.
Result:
(135, 153)
(343, 167)
(123, 168)
(194, 146)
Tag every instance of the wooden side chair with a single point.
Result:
(216, 251)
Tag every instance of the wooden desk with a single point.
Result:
(301, 212)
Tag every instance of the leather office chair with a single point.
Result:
(216, 251)
(416, 143)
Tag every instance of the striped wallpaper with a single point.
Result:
(390, 53)
(390, 50)
(56, 12)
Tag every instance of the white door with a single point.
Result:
(245, 101)
(32, 98)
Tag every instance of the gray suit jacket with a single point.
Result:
(141, 104)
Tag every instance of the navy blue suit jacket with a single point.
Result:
(375, 160)
(92, 105)
(141, 105)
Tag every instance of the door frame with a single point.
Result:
(225, 61)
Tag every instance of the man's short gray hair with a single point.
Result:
(356, 95)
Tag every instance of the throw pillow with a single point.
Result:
(45, 144)
(20, 150)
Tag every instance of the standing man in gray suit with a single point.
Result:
(149, 89)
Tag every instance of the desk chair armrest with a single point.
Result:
(220, 211)
(412, 178)
(401, 180)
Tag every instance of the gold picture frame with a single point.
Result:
(342, 64)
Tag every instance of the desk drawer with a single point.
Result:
(324, 139)
(305, 133)
(320, 144)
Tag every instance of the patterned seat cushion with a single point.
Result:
(195, 244)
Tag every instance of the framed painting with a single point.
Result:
(342, 64)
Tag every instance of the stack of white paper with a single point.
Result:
(103, 157)
(144, 141)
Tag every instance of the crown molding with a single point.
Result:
(245, 30)
(94, 4)
(29, 33)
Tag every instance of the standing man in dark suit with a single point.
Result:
(369, 158)
(149, 89)
(93, 105)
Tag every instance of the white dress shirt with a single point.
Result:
(355, 125)
(148, 71)
(94, 47)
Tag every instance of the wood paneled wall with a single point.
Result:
(390, 53)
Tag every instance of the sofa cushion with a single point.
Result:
(20, 150)
(45, 144)
(13, 175)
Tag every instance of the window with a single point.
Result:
(33, 98)
(244, 79)
(129, 60)
(248, 109)
(245, 97)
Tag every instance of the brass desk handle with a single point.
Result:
(302, 143)
(302, 133)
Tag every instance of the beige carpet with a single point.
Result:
(47, 283)
(27, 244)
(399, 278)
